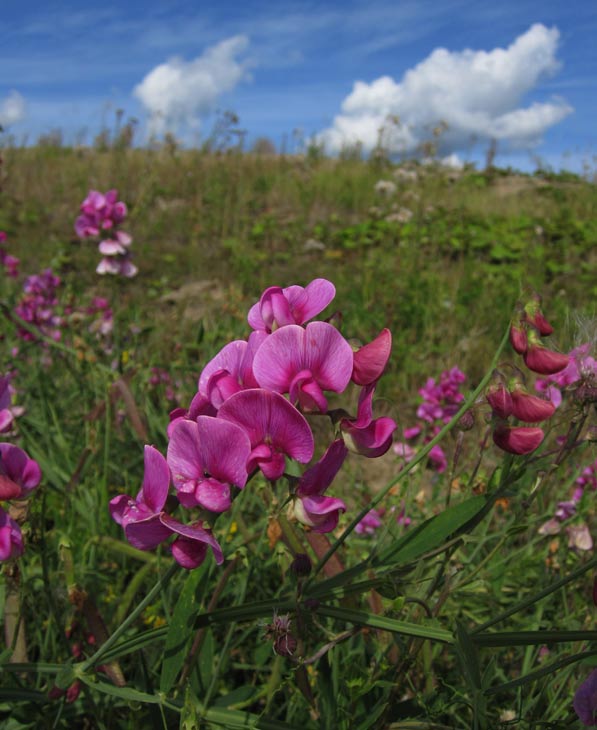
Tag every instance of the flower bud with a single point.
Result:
(543, 361)
(530, 408)
(467, 421)
(500, 400)
(517, 439)
(301, 565)
(534, 316)
(518, 338)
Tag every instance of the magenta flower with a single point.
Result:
(205, 458)
(364, 434)
(293, 305)
(19, 475)
(369, 524)
(530, 408)
(146, 525)
(11, 540)
(7, 412)
(370, 361)
(585, 700)
(304, 362)
(517, 439)
(231, 370)
(310, 507)
(274, 427)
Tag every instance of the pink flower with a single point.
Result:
(146, 525)
(274, 427)
(370, 361)
(304, 362)
(543, 361)
(231, 370)
(310, 507)
(365, 435)
(205, 458)
(370, 522)
(19, 475)
(529, 408)
(517, 439)
(293, 305)
(500, 400)
(518, 338)
(11, 540)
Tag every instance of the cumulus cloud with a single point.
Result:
(476, 93)
(12, 109)
(180, 92)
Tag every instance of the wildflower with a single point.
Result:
(19, 474)
(8, 412)
(370, 361)
(206, 457)
(310, 507)
(518, 338)
(517, 439)
(370, 522)
(304, 362)
(278, 307)
(365, 435)
(529, 408)
(500, 400)
(543, 361)
(146, 525)
(274, 427)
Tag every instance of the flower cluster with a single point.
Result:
(510, 398)
(101, 214)
(441, 400)
(19, 475)
(578, 533)
(248, 417)
(10, 262)
(38, 304)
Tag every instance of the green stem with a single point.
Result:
(109, 643)
(417, 460)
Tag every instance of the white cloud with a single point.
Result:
(180, 92)
(12, 109)
(476, 93)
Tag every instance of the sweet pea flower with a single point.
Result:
(8, 412)
(19, 474)
(369, 524)
(11, 540)
(146, 525)
(206, 457)
(231, 370)
(365, 435)
(274, 427)
(517, 439)
(278, 307)
(304, 362)
(310, 507)
(370, 361)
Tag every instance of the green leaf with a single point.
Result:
(124, 693)
(180, 629)
(432, 533)
(236, 696)
(386, 624)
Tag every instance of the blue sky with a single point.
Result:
(285, 66)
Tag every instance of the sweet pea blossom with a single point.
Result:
(304, 362)
(364, 434)
(231, 370)
(206, 457)
(146, 525)
(274, 427)
(310, 507)
(19, 474)
(8, 412)
(278, 307)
